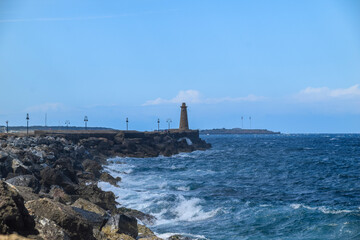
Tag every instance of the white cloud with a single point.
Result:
(46, 107)
(325, 93)
(194, 96)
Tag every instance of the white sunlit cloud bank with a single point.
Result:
(194, 96)
(311, 94)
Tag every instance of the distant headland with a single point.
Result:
(237, 131)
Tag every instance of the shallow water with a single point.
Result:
(250, 187)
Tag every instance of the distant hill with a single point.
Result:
(237, 131)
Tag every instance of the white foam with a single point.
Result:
(322, 209)
(167, 235)
(183, 188)
(191, 210)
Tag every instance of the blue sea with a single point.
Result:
(249, 187)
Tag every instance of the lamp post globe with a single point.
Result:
(86, 120)
(27, 124)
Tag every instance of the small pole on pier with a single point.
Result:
(242, 122)
(169, 121)
(127, 124)
(158, 122)
(86, 120)
(27, 124)
(250, 122)
(67, 122)
(7, 126)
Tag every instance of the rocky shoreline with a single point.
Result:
(49, 183)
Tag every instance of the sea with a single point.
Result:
(288, 186)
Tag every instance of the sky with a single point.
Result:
(292, 66)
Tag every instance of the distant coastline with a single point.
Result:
(237, 131)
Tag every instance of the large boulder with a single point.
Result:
(92, 166)
(25, 181)
(49, 230)
(122, 224)
(19, 167)
(94, 194)
(50, 176)
(75, 226)
(88, 206)
(146, 234)
(3, 156)
(145, 218)
(13, 215)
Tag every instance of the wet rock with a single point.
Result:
(106, 177)
(121, 223)
(64, 216)
(25, 181)
(13, 215)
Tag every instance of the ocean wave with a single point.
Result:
(322, 209)
(185, 210)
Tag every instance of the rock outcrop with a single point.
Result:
(49, 183)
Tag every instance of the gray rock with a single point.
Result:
(123, 224)
(3, 156)
(25, 181)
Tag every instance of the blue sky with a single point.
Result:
(293, 66)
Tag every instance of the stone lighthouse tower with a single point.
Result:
(184, 124)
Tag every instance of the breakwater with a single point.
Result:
(49, 182)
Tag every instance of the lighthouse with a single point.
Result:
(184, 124)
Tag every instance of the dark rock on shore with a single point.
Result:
(13, 215)
(122, 223)
(75, 226)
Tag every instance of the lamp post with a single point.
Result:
(242, 122)
(158, 122)
(86, 120)
(27, 124)
(250, 122)
(169, 121)
(127, 124)
(7, 126)
(67, 122)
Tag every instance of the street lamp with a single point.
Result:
(86, 120)
(158, 122)
(127, 124)
(7, 126)
(242, 122)
(169, 121)
(67, 122)
(250, 122)
(27, 124)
